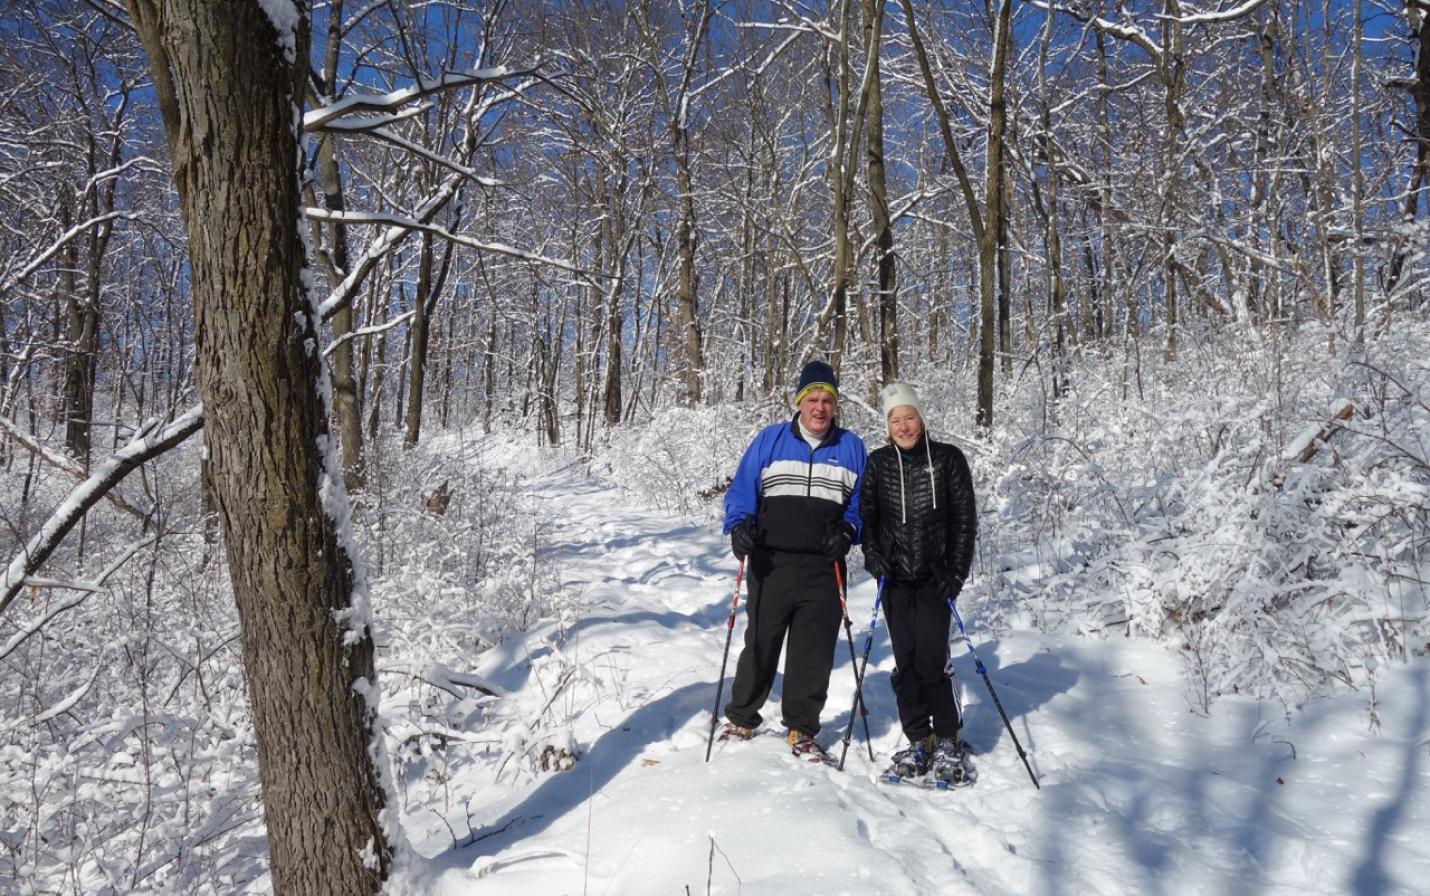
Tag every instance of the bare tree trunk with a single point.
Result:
(1173, 73)
(417, 343)
(994, 213)
(1054, 243)
(1419, 87)
(837, 310)
(673, 109)
(613, 238)
(1005, 263)
(879, 199)
(1110, 273)
(229, 91)
(1357, 174)
(347, 400)
(982, 224)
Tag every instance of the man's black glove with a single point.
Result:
(742, 538)
(837, 542)
(877, 566)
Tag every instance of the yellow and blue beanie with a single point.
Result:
(816, 375)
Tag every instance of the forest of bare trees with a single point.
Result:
(567, 216)
(556, 219)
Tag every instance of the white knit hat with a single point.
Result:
(899, 395)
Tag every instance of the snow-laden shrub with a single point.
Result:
(127, 755)
(1180, 508)
(682, 460)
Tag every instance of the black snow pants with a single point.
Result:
(918, 629)
(794, 595)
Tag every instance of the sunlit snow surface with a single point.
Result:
(1140, 794)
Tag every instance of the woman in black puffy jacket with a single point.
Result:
(920, 520)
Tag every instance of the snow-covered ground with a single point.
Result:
(1140, 794)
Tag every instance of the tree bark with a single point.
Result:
(992, 208)
(879, 199)
(1054, 240)
(229, 92)
(347, 400)
(1419, 86)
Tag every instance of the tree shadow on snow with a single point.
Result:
(1152, 802)
(563, 792)
(1022, 689)
(1370, 876)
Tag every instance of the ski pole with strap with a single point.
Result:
(858, 676)
(860, 707)
(729, 632)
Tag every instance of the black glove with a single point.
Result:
(877, 566)
(837, 542)
(742, 538)
(947, 584)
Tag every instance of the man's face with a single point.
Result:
(816, 411)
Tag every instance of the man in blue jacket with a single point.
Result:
(793, 511)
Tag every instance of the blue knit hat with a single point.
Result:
(816, 375)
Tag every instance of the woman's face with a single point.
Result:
(905, 427)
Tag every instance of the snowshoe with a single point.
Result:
(912, 761)
(731, 731)
(950, 763)
(807, 748)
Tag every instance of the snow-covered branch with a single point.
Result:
(1127, 31)
(1224, 15)
(150, 442)
(388, 103)
(369, 331)
(323, 214)
(60, 462)
(64, 239)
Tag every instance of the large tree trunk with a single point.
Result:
(229, 94)
(79, 351)
(674, 109)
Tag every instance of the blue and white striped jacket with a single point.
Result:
(796, 493)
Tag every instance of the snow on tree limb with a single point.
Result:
(70, 701)
(61, 462)
(150, 442)
(64, 239)
(366, 103)
(1226, 15)
(406, 223)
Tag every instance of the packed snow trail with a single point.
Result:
(1139, 793)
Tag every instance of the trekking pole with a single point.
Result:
(858, 676)
(978, 664)
(859, 705)
(729, 631)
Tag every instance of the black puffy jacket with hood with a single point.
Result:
(920, 517)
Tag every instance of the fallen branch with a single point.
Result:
(1305, 448)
